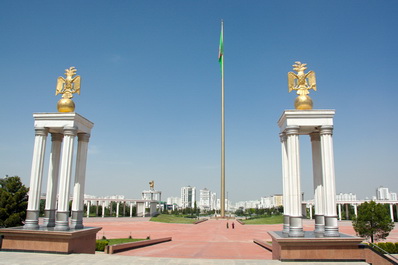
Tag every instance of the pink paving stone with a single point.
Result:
(207, 240)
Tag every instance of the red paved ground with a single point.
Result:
(210, 239)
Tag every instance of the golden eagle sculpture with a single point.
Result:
(67, 87)
(302, 82)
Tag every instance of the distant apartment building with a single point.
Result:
(248, 204)
(173, 203)
(188, 197)
(228, 205)
(204, 199)
(213, 201)
(346, 197)
(382, 193)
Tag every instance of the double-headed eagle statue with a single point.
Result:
(67, 86)
(302, 82)
(152, 184)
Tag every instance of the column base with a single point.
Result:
(286, 224)
(296, 226)
(62, 222)
(77, 220)
(331, 227)
(32, 220)
(49, 218)
(319, 224)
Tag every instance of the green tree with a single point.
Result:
(373, 221)
(13, 201)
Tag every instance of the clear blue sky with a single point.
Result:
(151, 84)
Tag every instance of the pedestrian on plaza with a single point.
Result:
(233, 225)
(227, 225)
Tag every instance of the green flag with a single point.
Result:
(221, 46)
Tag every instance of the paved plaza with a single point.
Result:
(209, 242)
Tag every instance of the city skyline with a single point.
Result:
(151, 86)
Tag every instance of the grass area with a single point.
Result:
(116, 241)
(168, 218)
(275, 219)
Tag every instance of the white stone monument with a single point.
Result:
(318, 124)
(64, 127)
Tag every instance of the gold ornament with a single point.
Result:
(302, 82)
(67, 86)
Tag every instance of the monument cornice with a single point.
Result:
(58, 121)
(307, 120)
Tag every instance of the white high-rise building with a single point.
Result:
(188, 197)
(174, 200)
(213, 201)
(382, 193)
(204, 199)
(346, 197)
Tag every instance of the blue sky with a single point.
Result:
(151, 84)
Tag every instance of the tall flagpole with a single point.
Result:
(222, 201)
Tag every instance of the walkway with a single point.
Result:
(202, 244)
(207, 240)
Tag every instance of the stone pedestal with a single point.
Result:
(50, 241)
(310, 247)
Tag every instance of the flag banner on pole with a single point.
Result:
(221, 47)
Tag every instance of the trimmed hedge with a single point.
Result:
(389, 247)
(101, 244)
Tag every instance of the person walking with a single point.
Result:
(233, 225)
(227, 225)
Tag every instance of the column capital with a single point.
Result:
(41, 131)
(292, 130)
(326, 130)
(315, 136)
(57, 137)
(71, 131)
(83, 137)
(283, 137)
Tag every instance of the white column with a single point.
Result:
(103, 209)
(331, 225)
(52, 181)
(318, 182)
(80, 178)
(310, 211)
(286, 186)
(339, 206)
(296, 221)
(355, 210)
(117, 209)
(391, 213)
(88, 209)
(36, 175)
(140, 208)
(131, 209)
(62, 220)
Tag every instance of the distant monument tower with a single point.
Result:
(152, 194)
(150, 199)
(318, 124)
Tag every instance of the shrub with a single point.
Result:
(382, 246)
(101, 244)
(390, 247)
